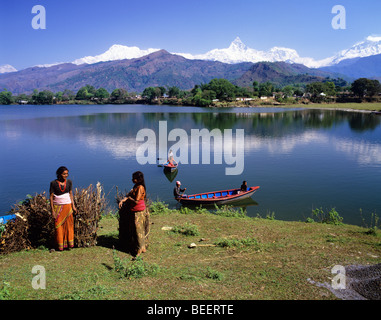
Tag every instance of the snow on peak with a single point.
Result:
(239, 52)
(7, 68)
(116, 52)
(369, 47)
(238, 45)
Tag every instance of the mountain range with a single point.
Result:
(135, 69)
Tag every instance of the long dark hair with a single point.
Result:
(139, 176)
(59, 171)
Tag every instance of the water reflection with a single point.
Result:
(278, 133)
(170, 175)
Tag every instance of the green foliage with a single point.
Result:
(4, 291)
(187, 229)
(118, 95)
(266, 89)
(102, 93)
(2, 229)
(374, 224)
(159, 208)
(332, 217)
(214, 275)
(96, 292)
(186, 210)
(230, 211)
(6, 97)
(86, 93)
(227, 243)
(42, 97)
(152, 93)
(224, 89)
(134, 269)
(366, 87)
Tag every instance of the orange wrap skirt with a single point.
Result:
(64, 226)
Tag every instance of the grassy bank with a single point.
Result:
(238, 258)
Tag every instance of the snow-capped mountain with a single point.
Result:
(239, 52)
(7, 68)
(116, 52)
(369, 47)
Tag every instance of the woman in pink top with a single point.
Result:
(134, 218)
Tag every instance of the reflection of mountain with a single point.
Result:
(274, 133)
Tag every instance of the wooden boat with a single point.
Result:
(217, 197)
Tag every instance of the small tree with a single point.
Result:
(6, 97)
(366, 87)
(118, 94)
(102, 93)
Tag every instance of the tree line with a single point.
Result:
(217, 90)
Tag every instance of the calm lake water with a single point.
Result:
(301, 159)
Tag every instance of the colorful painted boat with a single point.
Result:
(217, 197)
(170, 167)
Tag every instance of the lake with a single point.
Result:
(301, 159)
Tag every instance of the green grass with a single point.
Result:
(240, 258)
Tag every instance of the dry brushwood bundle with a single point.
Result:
(34, 223)
(90, 204)
(32, 227)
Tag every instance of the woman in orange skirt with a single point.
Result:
(62, 206)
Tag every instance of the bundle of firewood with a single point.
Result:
(33, 225)
(90, 203)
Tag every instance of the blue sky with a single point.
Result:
(78, 28)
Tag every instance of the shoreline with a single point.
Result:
(349, 106)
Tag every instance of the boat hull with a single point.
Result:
(169, 168)
(217, 197)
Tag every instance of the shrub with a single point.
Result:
(226, 243)
(159, 208)
(135, 269)
(332, 217)
(229, 211)
(187, 229)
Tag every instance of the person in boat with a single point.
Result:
(134, 218)
(244, 186)
(62, 207)
(171, 160)
(178, 192)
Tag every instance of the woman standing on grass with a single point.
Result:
(134, 218)
(62, 206)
